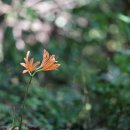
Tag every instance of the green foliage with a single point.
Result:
(90, 91)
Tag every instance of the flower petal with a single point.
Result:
(23, 64)
(52, 67)
(31, 61)
(37, 63)
(27, 56)
(45, 57)
(50, 62)
(25, 71)
(52, 58)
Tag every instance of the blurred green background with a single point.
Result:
(91, 40)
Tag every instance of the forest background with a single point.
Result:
(91, 40)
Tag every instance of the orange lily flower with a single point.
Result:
(29, 65)
(49, 62)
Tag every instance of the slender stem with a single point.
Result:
(36, 72)
(13, 114)
(23, 103)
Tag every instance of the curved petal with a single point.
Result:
(45, 57)
(52, 67)
(27, 56)
(25, 71)
(50, 62)
(23, 64)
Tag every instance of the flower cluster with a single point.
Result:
(48, 63)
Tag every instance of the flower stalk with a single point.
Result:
(23, 103)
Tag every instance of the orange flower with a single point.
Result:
(29, 65)
(48, 62)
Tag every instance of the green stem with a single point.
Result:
(36, 72)
(23, 103)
